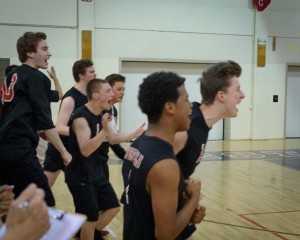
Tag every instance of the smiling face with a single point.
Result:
(232, 97)
(39, 59)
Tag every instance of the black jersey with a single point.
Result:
(144, 152)
(84, 170)
(192, 153)
(26, 107)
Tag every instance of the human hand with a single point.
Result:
(67, 157)
(6, 197)
(192, 189)
(30, 222)
(139, 131)
(104, 121)
(52, 73)
(198, 215)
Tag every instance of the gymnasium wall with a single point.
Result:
(195, 31)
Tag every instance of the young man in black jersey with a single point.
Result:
(116, 82)
(221, 92)
(158, 203)
(26, 110)
(92, 193)
(83, 71)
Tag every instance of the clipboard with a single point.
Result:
(63, 225)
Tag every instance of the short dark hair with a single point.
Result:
(80, 66)
(217, 78)
(113, 78)
(93, 86)
(10, 68)
(157, 89)
(28, 43)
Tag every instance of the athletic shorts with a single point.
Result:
(53, 160)
(20, 167)
(91, 199)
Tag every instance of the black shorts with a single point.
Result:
(91, 199)
(20, 167)
(53, 160)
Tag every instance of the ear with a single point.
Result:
(169, 107)
(220, 96)
(30, 54)
(95, 96)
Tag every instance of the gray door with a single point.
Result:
(292, 117)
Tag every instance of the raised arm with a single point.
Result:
(162, 184)
(57, 86)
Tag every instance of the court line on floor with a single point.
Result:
(252, 228)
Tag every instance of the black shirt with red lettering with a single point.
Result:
(26, 107)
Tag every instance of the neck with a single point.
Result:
(29, 63)
(94, 108)
(81, 87)
(161, 131)
(212, 113)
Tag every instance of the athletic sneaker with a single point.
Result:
(104, 233)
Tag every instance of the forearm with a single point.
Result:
(58, 88)
(118, 150)
(116, 138)
(63, 130)
(53, 137)
(184, 215)
(93, 144)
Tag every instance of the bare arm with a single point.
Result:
(115, 137)
(57, 86)
(162, 184)
(53, 137)
(66, 109)
(87, 145)
(179, 141)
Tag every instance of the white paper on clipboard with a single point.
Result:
(63, 225)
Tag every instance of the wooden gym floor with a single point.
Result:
(251, 190)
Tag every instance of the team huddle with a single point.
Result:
(161, 200)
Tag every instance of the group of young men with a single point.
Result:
(160, 199)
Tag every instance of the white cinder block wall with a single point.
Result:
(170, 30)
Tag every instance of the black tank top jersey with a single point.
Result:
(79, 100)
(191, 155)
(84, 170)
(140, 157)
(26, 107)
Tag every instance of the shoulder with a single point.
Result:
(164, 171)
